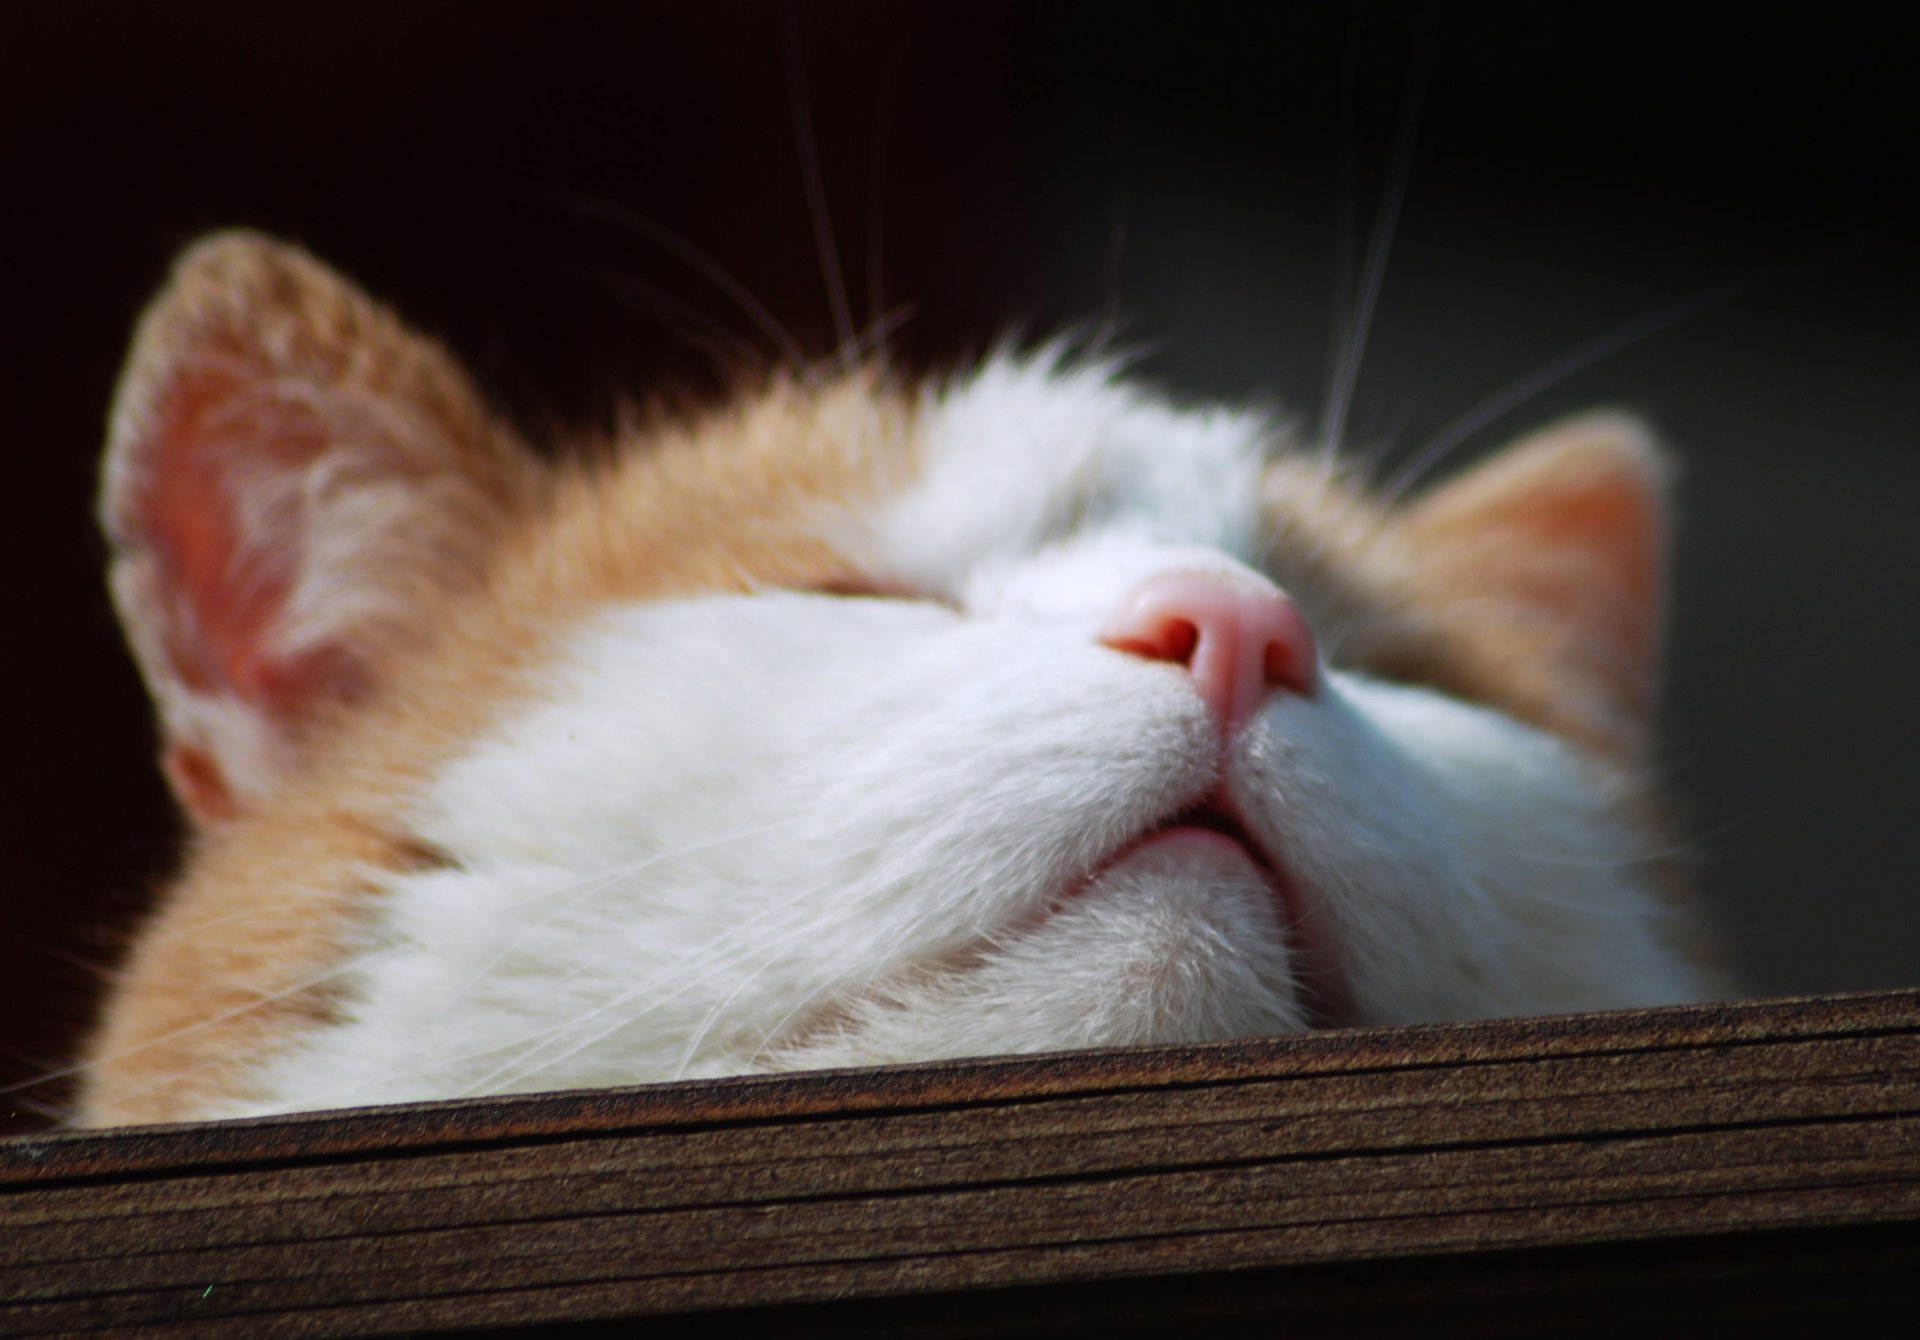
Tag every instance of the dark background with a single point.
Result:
(508, 177)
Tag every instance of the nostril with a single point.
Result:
(1154, 637)
(1291, 655)
(1240, 638)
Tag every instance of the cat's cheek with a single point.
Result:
(1333, 801)
(1473, 866)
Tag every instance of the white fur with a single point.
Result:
(784, 830)
(1030, 451)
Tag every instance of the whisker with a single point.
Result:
(349, 965)
(1345, 224)
(737, 350)
(982, 932)
(886, 960)
(803, 912)
(1346, 371)
(694, 258)
(353, 962)
(816, 187)
(528, 1043)
(530, 1060)
(882, 327)
(1580, 357)
(876, 194)
(592, 886)
(716, 1010)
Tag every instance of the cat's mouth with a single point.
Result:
(1212, 830)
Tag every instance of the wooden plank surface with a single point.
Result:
(1244, 1171)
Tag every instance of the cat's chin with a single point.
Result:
(1208, 845)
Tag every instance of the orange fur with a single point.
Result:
(1457, 590)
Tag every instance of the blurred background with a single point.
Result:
(534, 188)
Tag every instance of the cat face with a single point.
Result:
(854, 722)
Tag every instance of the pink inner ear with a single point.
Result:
(1615, 524)
(232, 599)
(1610, 593)
(199, 782)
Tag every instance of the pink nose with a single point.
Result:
(1239, 640)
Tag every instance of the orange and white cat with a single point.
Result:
(852, 722)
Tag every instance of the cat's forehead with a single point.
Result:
(1028, 452)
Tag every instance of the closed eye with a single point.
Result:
(865, 588)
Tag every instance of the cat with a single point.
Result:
(852, 721)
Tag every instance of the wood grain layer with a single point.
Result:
(1785, 1122)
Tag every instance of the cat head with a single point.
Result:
(851, 721)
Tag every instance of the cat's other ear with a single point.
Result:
(291, 479)
(1554, 550)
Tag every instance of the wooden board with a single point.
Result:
(1588, 1169)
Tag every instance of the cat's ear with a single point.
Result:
(291, 480)
(1556, 549)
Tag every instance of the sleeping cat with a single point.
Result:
(851, 722)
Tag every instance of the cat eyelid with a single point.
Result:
(872, 588)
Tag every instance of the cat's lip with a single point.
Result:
(1214, 829)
